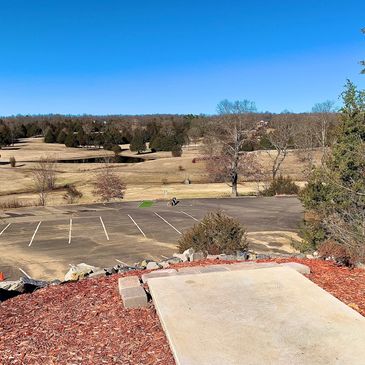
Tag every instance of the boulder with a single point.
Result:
(188, 253)
(181, 256)
(242, 255)
(97, 274)
(30, 285)
(173, 260)
(80, 271)
(7, 284)
(196, 256)
(152, 265)
(143, 264)
(164, 264)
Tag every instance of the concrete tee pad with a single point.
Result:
(254, 317)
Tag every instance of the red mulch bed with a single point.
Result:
(86, 323)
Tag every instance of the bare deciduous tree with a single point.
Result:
(108, 185)
(226, 139)
(281, 138)
(324, 110)
(305, 143)
(44, 178)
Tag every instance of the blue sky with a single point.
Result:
(141, 57)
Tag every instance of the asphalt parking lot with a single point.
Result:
(42, 242)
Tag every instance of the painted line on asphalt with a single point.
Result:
(137, 225)
(164, 257)
(5, 229)
(21, 270)
(121, 262)
(106, 233)
(70, 232)
(189, 216)
(35, 232)
(168, 223)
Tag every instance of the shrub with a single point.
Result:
(312, 233)
(164, 181)
(12, 161)
(176, 151)
(281, 185)
(72, 194)
(181, 168)
(216, 233)
(335, 251)
(116, 149)
(11, 203)
(108, 185)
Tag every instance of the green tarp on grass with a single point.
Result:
(146, 204)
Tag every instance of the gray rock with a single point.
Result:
(242, 255)
(153, 266)
(262, 257)
(181, 256)
(17, 286)
(27, 285)
(143, 263)
(252, 256)
(188, 253)
(196, 256)
(227, 257)
(173, 260)
(79, 271)
(6, 285)
(212, 257)
(97, 274)
(164, 264)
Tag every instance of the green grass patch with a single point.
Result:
(146, 204)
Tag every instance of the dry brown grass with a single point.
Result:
(154, 179)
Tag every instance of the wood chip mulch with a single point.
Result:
(85, 322)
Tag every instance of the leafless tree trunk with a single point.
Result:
(305, 144)
(225, 141)
(325, 112)
(44, 178)
(280, 137)
(108, 185)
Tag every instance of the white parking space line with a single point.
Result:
(35, 232)
(5, 229)
(106, 233)
(168, 223)
(137, 225)
(189, 216)
(21, 270)
(70, 232)
(121, 262)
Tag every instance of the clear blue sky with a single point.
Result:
(139, 57)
